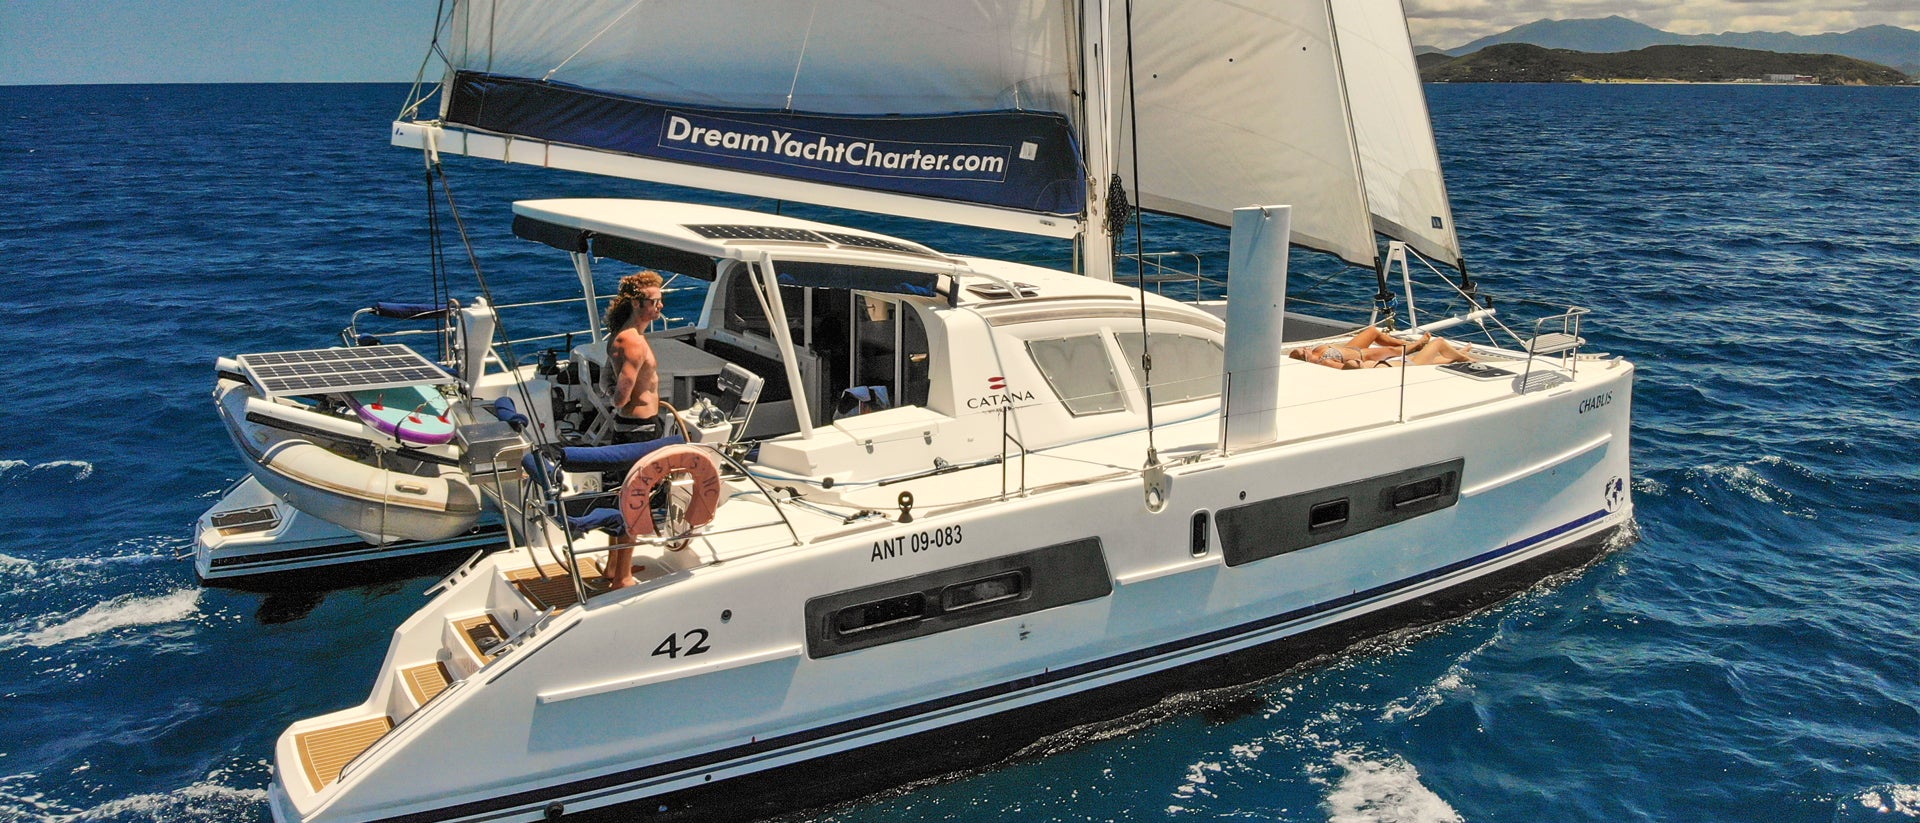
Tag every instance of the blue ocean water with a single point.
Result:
(1752, 657)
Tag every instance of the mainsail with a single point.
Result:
(1005, 114)
(953, 112)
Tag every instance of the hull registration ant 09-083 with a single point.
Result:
(914, 543)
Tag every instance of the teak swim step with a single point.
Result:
(483, 635)
(550, 587)
(326, 751)
(426, 681)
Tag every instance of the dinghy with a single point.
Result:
(1055, 495)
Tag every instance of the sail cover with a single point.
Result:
(1405, 191)
(965, 102)
(1241, 104)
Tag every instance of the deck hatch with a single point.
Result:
(242, 521)
(1269, 528)
(956, 597)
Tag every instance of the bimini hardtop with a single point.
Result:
(959, 510)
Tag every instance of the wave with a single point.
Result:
(1884, 803)
(10, 469)
(1383, 791)
(118, 613)
(206, 801)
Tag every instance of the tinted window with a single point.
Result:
(878, 614)
(982, 592)
(1184, 367)
(1080, 373)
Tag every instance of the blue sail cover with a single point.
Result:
(1009, 159)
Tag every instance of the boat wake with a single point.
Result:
(1386, 790)
(119, 613)
(1886, 803)
(203, 801)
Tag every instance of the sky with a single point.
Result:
(215, 41)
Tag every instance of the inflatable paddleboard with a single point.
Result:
(410, 414)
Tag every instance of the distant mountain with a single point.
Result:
(1599, 36)
(1886, 45)
(1527, 63)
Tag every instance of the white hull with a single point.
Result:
(587, 710)
(253, 538)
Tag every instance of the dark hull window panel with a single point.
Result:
(1269, 528)
(957, 597)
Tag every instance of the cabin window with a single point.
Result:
(876, 343)
(1419, 491)
(916, 359)
(982, 592)
(1080, 373)
(880, 614)
(1184, 367)
(1329, 515)
(744, 312)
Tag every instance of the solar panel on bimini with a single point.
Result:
(315, 371)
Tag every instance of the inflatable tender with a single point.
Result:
(348, 472)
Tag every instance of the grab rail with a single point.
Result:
(1567, 343)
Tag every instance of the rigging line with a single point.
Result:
(437, 264)
(510, 363)
(414, 97)
(590, 41)
(1139, 242)
(805, 39)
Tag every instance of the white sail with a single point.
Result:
(959, 113)
(1405, 190)
(830, 56)
(967, 113)
(1241, 104)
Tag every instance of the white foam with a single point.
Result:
(1456, 680)
(1901, 800)
(200, 801)
(1197, 779)
(118, 613)
(81, 468)
(1389, 791)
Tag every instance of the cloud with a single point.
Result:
(1449, 23)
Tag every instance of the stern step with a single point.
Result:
(426, 682)
(326, 751)
(551, 588)
(483, 635)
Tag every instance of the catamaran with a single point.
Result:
(922, 507)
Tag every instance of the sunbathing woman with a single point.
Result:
(1373, 347)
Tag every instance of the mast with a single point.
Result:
(1096, 133)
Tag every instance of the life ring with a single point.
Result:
(636, 498)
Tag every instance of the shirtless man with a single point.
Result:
(632, 377)
(632, 372)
